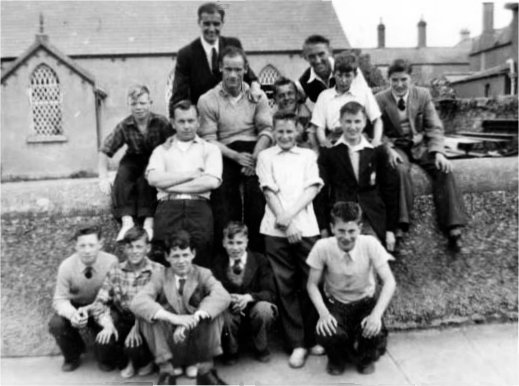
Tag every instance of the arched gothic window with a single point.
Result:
(267, 78)
(46, 101)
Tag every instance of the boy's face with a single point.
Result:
(137, 250)
(400, 82)
(343, 80)
(88, 247)
(140, 106)
(181, 260)
(236, 245)
(346, 233)
(352, 126)
(186, 124)
(286, 98)
(285, 133)
(210, 25)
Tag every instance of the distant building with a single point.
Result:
(429, 63)
(64, 91)
(493, 59)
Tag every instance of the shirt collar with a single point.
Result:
(397, 98)
(208, 47)
(243, 259)
(126, 267)
(314, 76)
(353, 253)
(362, 145)
(295, 149)
(174, 139)
(245, 90)
(82, 266)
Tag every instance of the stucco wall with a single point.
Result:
(491, 58)
(78, 153)
(477, 87)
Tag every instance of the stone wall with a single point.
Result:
(434, 287)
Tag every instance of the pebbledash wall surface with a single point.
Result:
(435, 288)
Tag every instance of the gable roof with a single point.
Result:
(419, 55)
(85, 28)
(496, 38)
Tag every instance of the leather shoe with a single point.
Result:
(70, 365)
(368, 368)
(335, 368)
(297, 358)
(210, 378)
(166, 379)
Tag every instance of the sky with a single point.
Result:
(444, 18)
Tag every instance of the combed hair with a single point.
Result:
(399, 65)
(136, 90)
(234, 228)
(233, 51)
(88, 230)
(179, 239)
(183, 105)
(353, 108)
(346, 211)
(316, 39)
(211, 8)
(135, 233)
(284, 116)
(282, 81)
(346, 62)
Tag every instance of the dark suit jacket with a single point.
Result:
(193, 76)
(426, 126)
(201, 292)
(376, 191)
(258, 278)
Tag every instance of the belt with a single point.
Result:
(182, 196)
(336, 302)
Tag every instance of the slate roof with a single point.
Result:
(498, 37)
(422, 55)
(84, 28)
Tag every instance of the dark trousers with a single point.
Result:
(227, 199)
(297, 312)
(71, 344)
(194, 216)
(450, 207)
(257, 320)
(131, 194)
(140, 355)
(348, 342)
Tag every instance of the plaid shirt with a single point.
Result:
(121, 285)
(127, 132)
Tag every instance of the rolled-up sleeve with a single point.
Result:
(156, 161)
(113, 142)
(264, 172)
(319, 112)
(312, 172)
(208, 110)
(371, 106)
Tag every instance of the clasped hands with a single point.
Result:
(187, 322)
(284, 223)
(239, 302)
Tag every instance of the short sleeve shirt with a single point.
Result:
(348, 277)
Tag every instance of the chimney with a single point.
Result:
(381, 29)
(422, 36)
(488, 18)
(41, 36)
(464, 34)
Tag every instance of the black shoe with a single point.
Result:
(166, 379)
(104, 367)
(262, 356)
(230, 359)
(335, 368)
(368, 368)
(70, 365)
(456, 244)
(210, 378)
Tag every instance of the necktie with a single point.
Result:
(214, 61)
(88, 272)
(401, 104)
(181, 284)
(236, 267)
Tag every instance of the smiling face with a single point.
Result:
(236, 245)
(140, 106)
(318, 56)
(136, 251)
(343, 80)
(346, 233)
(210, 25)
(286, 98)
(352, 127)
(181, 260)
(185, 123)
(88, 247)
(233, 69)
(285, 133)
(400, 83)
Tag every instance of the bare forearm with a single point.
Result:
(316, 298)
(273, 202)
(263, 143)
(163, 180)
(304, 200)
(201, 184)
(386, 294)
(377, 131)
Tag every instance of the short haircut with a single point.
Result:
(353, 108)
(282, 116)
(183, 105)
(136, 90)
(135, 233)
(233, 51)
(88, 230)
(316, 39)
(210, 8)
(282, 81)
(234, 228)
(346, 62)
(346, 211)
(399, 65)
(179, 239)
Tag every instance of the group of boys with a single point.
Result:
(226, 192)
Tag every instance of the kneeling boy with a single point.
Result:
(183, 308)
(350, 316)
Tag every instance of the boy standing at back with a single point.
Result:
(350, 316)
(290, 180)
